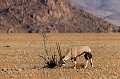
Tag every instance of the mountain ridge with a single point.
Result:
(50, 16)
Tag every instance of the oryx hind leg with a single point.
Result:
(86, 57)
(91, 62)
(90, 57)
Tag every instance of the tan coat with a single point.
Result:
(75, 51)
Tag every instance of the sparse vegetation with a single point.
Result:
(51, 61)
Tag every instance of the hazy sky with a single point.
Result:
(97, 3)
(101, 8)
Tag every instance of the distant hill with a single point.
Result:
(101, 8)
(113, 16)
(51, 16)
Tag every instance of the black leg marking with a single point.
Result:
(71, 58)
(75, 62)
(90, 55)
(86, 56)
(74, 58)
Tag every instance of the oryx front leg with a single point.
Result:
(75, 62)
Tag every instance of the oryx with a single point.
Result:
(75, 51)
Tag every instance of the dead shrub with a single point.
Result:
(51, 61)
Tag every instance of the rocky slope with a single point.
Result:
(51, 16)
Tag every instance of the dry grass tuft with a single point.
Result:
(52, 62)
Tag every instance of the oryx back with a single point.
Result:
(74, 51)
(83, 49)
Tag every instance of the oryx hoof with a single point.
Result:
(74, 66)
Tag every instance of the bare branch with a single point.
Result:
(44, 42)
(50, 61)
(43, 58)
(59, 52)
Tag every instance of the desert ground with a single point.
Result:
(20, 56)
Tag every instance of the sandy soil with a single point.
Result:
(19, 56)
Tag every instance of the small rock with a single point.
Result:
(4, 69)
(19, 69)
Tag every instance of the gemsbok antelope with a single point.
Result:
(75, 51)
